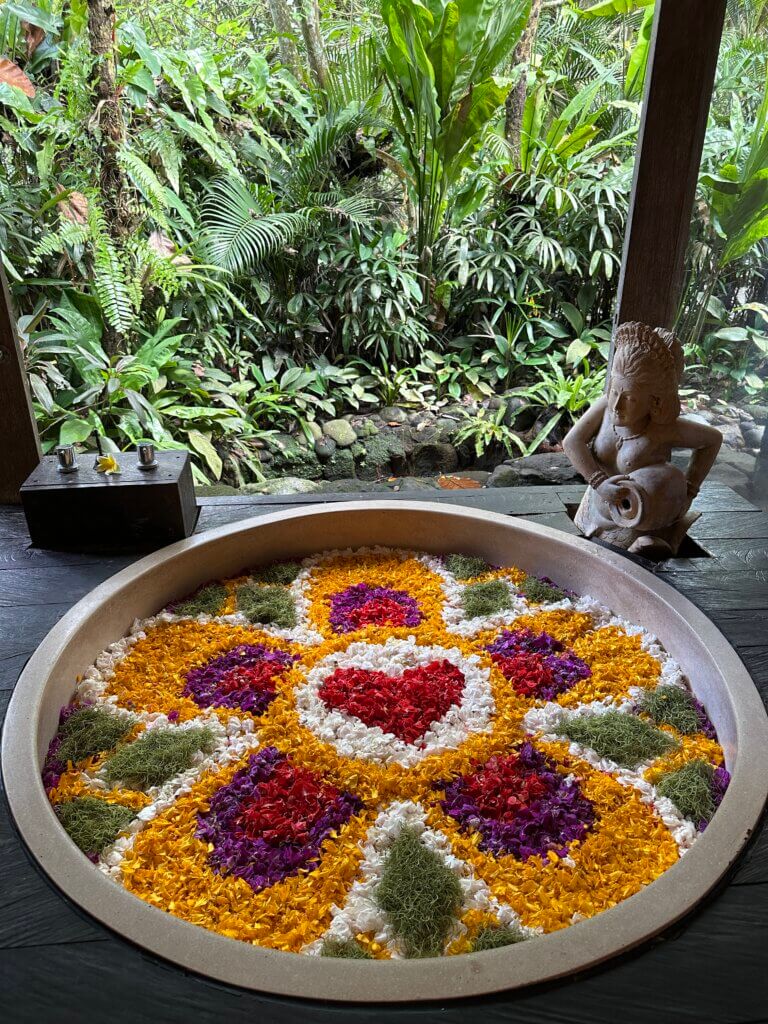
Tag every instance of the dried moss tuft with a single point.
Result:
(671, 705)
(496, 937)
(93, 824)
(625, 739)
(485, 598)
(267, 605)
(466, 567)
(209, 600)
(540, 592)
(419, 894)
(157, 755)
(90, 731)
(690, 790)
(349, 949)
(281, 573)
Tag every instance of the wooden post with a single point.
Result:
(19, 443)
(678, 87)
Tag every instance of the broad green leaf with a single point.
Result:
(609, 8)
(74, 431)
(577, 351)
(442, 55)
(203, 446)
(638, 60)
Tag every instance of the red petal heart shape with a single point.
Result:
(404, 705)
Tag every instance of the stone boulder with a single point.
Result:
(532, 470)
(340, 431)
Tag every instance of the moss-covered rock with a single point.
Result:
(340, 465)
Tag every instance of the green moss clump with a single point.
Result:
(496, 937)
(690, 790)
(281, 573)
(93, 824)
(466, 567)
(267, 605)
(157, 755)
(207, 601)
(349, 949)
(419, 894)
(625, 739)
(539, 592)
(90, 731)
(485, 598)
(671, 705)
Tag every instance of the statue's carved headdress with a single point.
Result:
(652, 357)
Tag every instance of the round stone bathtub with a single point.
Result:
(717, 676)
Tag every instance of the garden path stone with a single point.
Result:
(543, 468)
(340, 431)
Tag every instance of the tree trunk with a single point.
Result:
(313, 40)
(515, 105)
(117, 212)
(280, 12)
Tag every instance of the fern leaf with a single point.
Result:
(144, 178)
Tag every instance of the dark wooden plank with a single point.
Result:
(680, 980)
(735, 553)
(21, 445)
(682, 60)
(723, 591)
(744, 629)
(511, 500)
(41, 586)
(20, 634)
(557, 520)
(729, 526)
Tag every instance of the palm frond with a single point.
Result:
(355, 76)
(238, 234)
(322, 148)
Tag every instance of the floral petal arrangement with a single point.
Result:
(383, 753)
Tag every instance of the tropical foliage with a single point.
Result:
(239, 218)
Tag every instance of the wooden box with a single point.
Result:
(89, 510)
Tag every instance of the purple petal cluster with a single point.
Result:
(205, 685)
(256, 861)
(361, 594)
(705, 723)
(565, 667)
(549, 823)
(524, 641)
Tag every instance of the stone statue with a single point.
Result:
(622, 446)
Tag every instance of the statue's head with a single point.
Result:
(645, 376)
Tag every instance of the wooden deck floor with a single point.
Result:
(58, 966)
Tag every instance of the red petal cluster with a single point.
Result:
(262, 676)
(404, 705)
(289, 804)
(528, 673)
(379, 611)
(503, 787)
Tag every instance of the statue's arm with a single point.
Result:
(705, 442)
(576, 441)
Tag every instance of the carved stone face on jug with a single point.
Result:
(622, 445)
